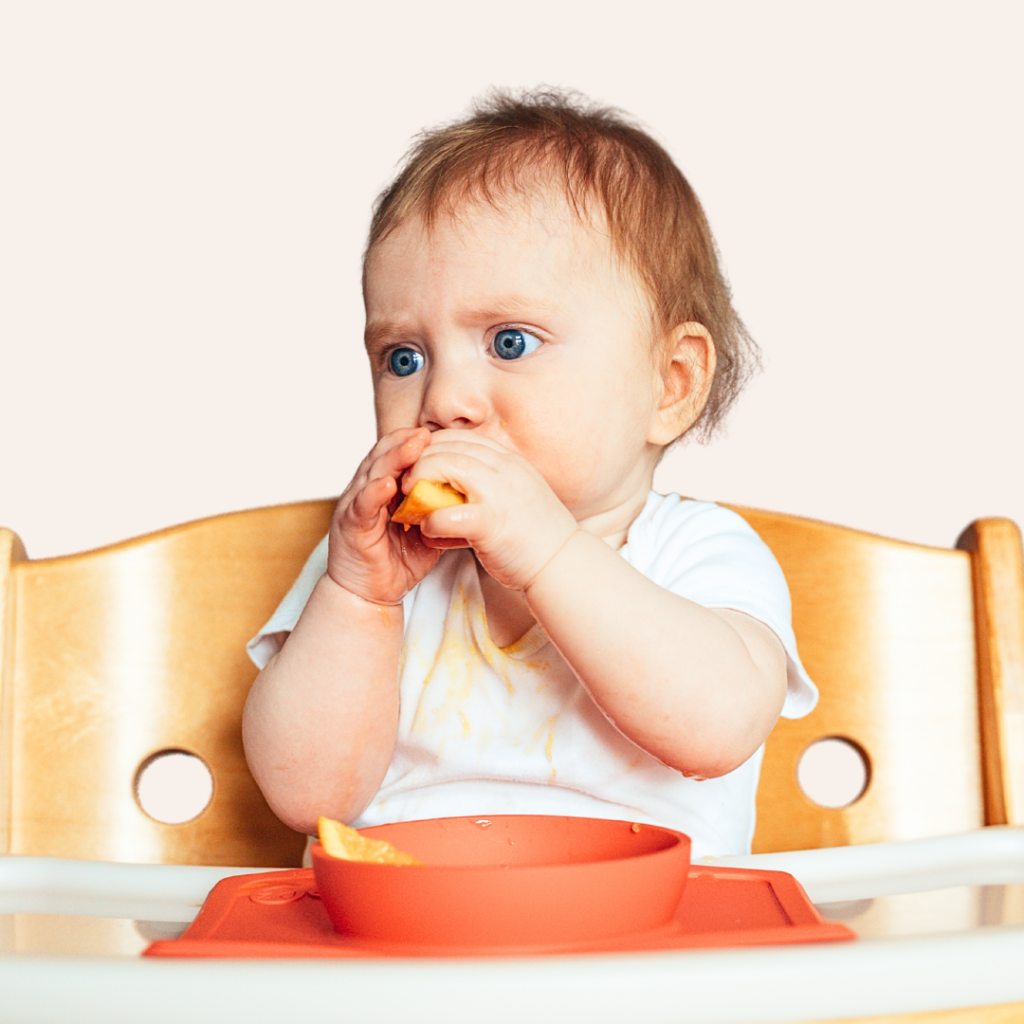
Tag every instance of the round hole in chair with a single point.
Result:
(173, 786)
(833, 772)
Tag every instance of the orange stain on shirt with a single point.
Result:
(548, 747)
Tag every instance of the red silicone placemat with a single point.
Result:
(278, 914)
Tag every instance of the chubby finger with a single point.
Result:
(457, 522)
(376, 458)
(455, 435)
(444, 543)
(392, 440)
(488, 454)
(371, 499)
(395, 441)
(401, 451)
(462, 470)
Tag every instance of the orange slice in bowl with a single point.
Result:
(346, 843)
(424, 498)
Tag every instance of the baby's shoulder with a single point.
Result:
(676, 537)
(673, 519)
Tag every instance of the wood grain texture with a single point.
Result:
(886, 630)
(998, 577)
(12, 551)
(134, 649)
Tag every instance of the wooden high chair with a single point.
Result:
(919, 656)
(111, 657)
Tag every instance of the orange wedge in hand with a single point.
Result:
(347, 844)
(424, 498)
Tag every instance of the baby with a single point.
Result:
(544, 316)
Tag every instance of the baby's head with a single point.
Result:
(513, 151)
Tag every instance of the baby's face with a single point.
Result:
(519, 324)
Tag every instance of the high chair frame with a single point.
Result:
(919, 655)
(111, 656)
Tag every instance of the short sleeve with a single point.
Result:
(712, 556)
(269, 640)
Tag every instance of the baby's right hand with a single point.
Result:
(366, 554)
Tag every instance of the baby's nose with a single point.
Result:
(453, 400)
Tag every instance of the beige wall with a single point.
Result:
(184, 189)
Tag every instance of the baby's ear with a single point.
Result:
(687, 370)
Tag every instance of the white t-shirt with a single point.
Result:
(489, 730)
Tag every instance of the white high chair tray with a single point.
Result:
(941, 924)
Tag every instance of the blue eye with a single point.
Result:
(404, 361)
(512, 343)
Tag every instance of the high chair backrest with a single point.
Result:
(919, 656)
(113, 657)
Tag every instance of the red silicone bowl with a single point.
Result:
(508, 880)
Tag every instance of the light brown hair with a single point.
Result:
(598, 155)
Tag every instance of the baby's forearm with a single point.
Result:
(698, 688)
(320, 721)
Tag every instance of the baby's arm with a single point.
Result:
(320, 721)
(698, 688)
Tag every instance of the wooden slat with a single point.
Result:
(998, 579)
(12, 551)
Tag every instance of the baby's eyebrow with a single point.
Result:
(509, 307)
(380, 332)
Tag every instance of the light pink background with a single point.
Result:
(184, 190)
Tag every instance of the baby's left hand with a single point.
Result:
(512, 518)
